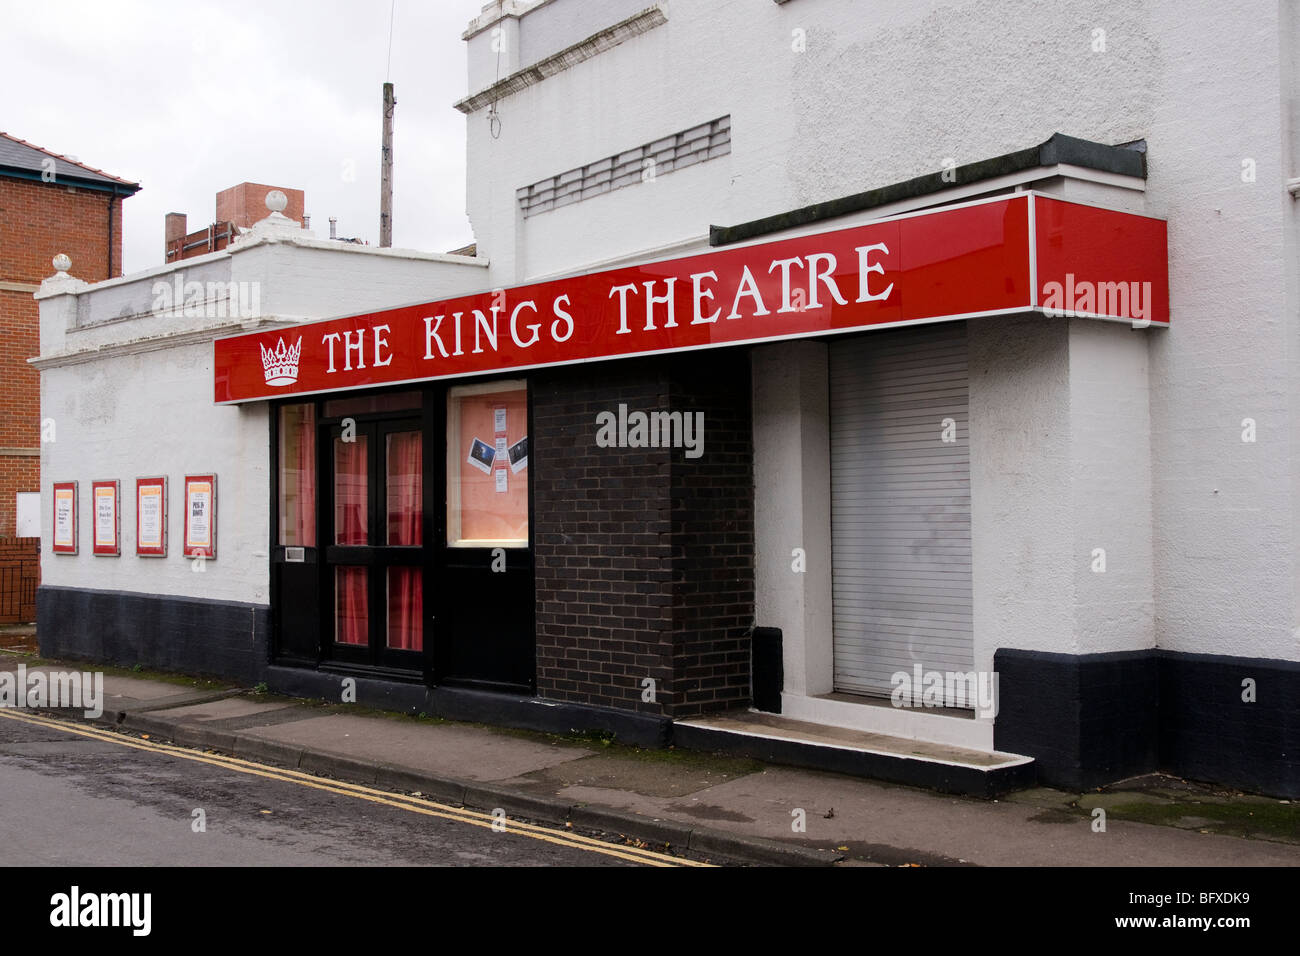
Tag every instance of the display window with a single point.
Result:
(487, 455)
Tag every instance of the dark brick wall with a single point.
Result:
(1092, 719)
(644, 558)
(601, 540)
(713, 537)
(190, 635)
(1086, 719)
(1207, 732)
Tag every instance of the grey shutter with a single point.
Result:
(900, 505)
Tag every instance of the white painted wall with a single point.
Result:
(1111, 502)
(792, 507)
(128, 389)
(1022, 539)
(888, 90)
(146, 414)
(1225, 523)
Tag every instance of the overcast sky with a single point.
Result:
(190, 98)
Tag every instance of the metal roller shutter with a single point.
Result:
(900, 506)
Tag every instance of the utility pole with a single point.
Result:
(386, 172)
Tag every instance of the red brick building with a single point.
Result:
(238, 208)
(49, 204)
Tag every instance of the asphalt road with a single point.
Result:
(79, 796)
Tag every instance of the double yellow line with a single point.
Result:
(402, 802)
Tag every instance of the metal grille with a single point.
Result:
(690, 146)
(900, 506)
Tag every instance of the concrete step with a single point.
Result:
(799, 743)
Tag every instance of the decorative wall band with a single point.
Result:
(570, 56)
(19, 287)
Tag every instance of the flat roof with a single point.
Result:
(1128, 159)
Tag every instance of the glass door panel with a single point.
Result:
(405, 488)
(352, 606)
(406, 609)
(404, 508)
(351, 491)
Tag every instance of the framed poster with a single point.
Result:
(487, 445)
(151, 517)
(65, 518)
(106, 516)
(200, 516)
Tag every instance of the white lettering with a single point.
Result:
(381, 342)
(823, 277)
(622, 291)
(748, 287)
(514, 324)
(431, 326)
(665, 299)
(349, 347)
(699, 295)
(785, 265)
(865, 269)
(481, 323)
(331, 338)
(561, 314)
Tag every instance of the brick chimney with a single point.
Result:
(245, 204)
(174, 227)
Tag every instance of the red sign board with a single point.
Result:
(989, 257)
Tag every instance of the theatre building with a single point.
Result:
(910, 392)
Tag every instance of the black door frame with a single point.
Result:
(377, 556)
(439, 561)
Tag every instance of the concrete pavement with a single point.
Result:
(726, 805)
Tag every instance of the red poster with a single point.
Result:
(151, 517)
(64, 535)
(105, 518)
(200, 516)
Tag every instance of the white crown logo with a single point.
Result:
(280, 365)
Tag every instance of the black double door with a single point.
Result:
(386, 591)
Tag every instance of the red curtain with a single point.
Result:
(351, 498)
(351, 519)
(307, 478)
(405, 521)
(352, 611)
(298, 475)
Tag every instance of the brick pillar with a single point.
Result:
(644, 556)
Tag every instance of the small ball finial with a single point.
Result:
(61, 263)
(276, 201)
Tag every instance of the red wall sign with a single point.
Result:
(1025, 252)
